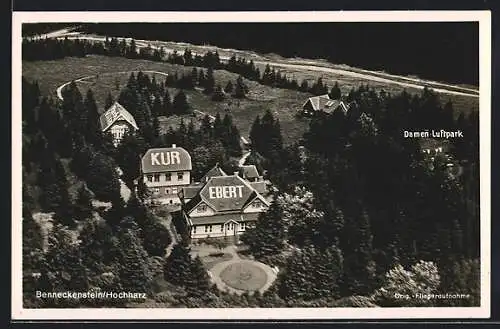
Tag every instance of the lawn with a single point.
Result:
(114, 72)
(244, 276)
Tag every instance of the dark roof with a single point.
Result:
(216, 171)
(224, 218)
(190, 191)
(116, 113)
(325, 104)
(166, 159)
(243, 193)
(193, 203)
(259, 186)
(249, 171)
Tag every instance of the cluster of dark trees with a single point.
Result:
(63, 149)
(449, 44)
(51, 49)
(355, 190)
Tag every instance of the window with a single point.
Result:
(222, 227)
(156, 177)
(150, 178)
(194, 229)
(156, 190)
(210, 228)
(168, 177)
(180, 176)
(256, 204)
(242, 226)
(167, 191)
(202, 208)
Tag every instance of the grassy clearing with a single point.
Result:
(283, 103)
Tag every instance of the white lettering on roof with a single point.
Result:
(225, 192)
(165, 158)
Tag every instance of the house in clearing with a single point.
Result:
(323, 103)
(117, 121)
(222, 205)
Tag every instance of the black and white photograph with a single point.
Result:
(251, 165)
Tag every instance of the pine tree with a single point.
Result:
(255, 134)
(359, 265)
(209, 82)
(135, 272)
(128, 155)
(335, 92)
(268, 236)
(228, 89)
(178, 265)
(93, 130)
(109, 101)
(102, 178)
(167, 104)
(83, 206)
(180, 104)
(241, 89)
(197, 283)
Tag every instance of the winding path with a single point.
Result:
(309, 65)
(61, 87)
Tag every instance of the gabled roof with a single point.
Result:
(259, 186)
(249, 171)
(325, 104)
(166, 159)
(216, 171)
(190, 191)
(116, 113)
(243, 193)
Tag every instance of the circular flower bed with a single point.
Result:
(244, 276)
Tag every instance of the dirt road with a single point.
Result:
(307, 65)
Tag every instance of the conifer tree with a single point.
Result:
(268, 236)
(197, 283)
(180, 104)
(109, 101)
(83, 205)
(135, 272)
(93, 130)
(167, 104)
(178, 265)
(228, 89)
(241, 89)
(209, 82)
(335, 92)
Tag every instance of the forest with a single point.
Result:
(359, 213)
(433, 50)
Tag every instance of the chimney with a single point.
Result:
(235, 173)
(174, 146)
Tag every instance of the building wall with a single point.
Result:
(174, 181)
(216, 232)
(118, 130)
